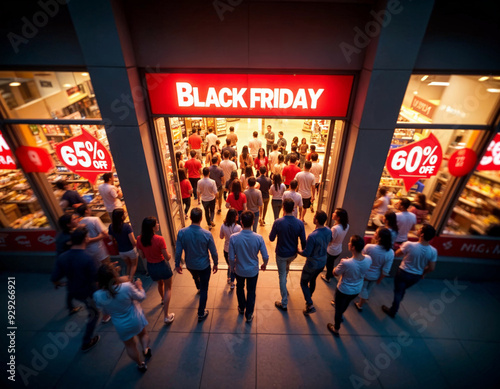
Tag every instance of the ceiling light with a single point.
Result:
(424, 78)
(15, 83)
(484, 78)
(439, 83)
(67, 85)
(496, 78)
(85, 74)
(493, 90)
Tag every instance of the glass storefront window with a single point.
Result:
(19, 207)
(47, 95)
(450, 99)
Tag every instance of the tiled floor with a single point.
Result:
(446, 336)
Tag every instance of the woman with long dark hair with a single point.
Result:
(227, 229)
(124, 236)
(277, 189)
(302, 148)
(382, 255)
(261, 160)
(334, 249)
(244, 178)
(214, 152)
(153, 247)
(186, 191)
(237, 199)
(121, 301)
(419, 208)
(391, 222)
(179, 160)
(245, 159)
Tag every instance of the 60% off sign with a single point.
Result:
(85, 156)
(418, 160)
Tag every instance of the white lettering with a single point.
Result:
(255, 95)
(267, 98)
(276, 98)
(184, 97)
(3, 144)
(289, 95)
(197, 102)
(222, 101)
(315, 97)
(238, 98)
(212, 98)
(300, 99)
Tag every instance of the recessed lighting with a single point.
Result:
(415, 92)
(14, 83)
(438, 83)
(67, 85)
(483, 78)
(496, 78)
(424, 78)
(85, 74)
(493, 90)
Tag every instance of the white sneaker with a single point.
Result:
(169, 319)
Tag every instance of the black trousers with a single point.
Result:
(342, 302)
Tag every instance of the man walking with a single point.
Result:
(316, 170)
(294, 196)
(315, 252)
(110, 194)
(419, 259)
(211, 138)
(289, 230)
(305, 180)
(269, 140)
(81, 272)
(227, 167)
(193, 167)
(195, 142)
(290, 171)
(254, 145)
(207, 190)
(273, 157)
(406, 220)
(254, 200)
(232, 137)
(281, 142)
(265, 184)
(197, 243)
(230, 150)
(217, 174)
(244, 248)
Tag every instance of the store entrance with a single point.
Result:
(322, 137)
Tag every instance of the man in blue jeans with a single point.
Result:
(315, 252)
(289, 230)
(244, 248)
(197, 243)
(419, 259)
(254, 201)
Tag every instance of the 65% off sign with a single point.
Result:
(415, 161)
(85, 156)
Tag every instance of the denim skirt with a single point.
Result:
(159, 271)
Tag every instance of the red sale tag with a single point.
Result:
(491, 159)
(85, 156)
(415, 161)
(6, 157)
(34, 159)
(462, 162)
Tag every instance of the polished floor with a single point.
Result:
(446, 336)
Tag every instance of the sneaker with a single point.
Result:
(309, 309)
(332, 329)
(249, 318)
(219, 211)
(142, 367)
(323, 277)
(388, 311)
(278, 305)
(147, 354)
(241, 311)
(106, 319)
(75, 310)
(229, 280)
(91, 344)
(169, 319)
(232, 285)
(358, 307)
(204, 316)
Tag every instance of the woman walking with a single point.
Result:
(214, 152)
(245, 159)
(303, 147)
(277, 190)
(121, 301)
(391, 222)
(125, 239)
(154, 249)
(237, 199)
(227, 229)
(382, 256)
(261, 160)
(339, 231)
(186, 191)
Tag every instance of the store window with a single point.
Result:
(19, 207)
(450, 99)
(47, 95)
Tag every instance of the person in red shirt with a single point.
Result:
(193, 167)
(261, 160)
(290, 171)
(195, 142)
(186, 191)
(236, 199)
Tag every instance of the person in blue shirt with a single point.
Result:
(197, 243)
(315, 252)
(244, 248)
(81, 272)
(289, 230)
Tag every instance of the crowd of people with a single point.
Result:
(94, 280)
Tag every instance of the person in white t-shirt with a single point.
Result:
(382, 256)
(317, 170)
(306, 189)
(419, 259)
(406, 220)
(351, 272)
(254, 145)
(294, 195)
(227, 167)
(380, 206)
(97, 232)
(211, 138)
(273, 156)
(207, 190)
(334, 249)
(110, 195)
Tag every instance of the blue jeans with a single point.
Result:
(248, 303)
(230, 274)
(283, 264)
(402, 281)
(201, 279)
(255, 221)
(277, 205)
(308, 282)
(92, 319)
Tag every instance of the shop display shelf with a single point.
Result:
(465, 214)
(470, 203)
(486, 177)
(479, 192)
